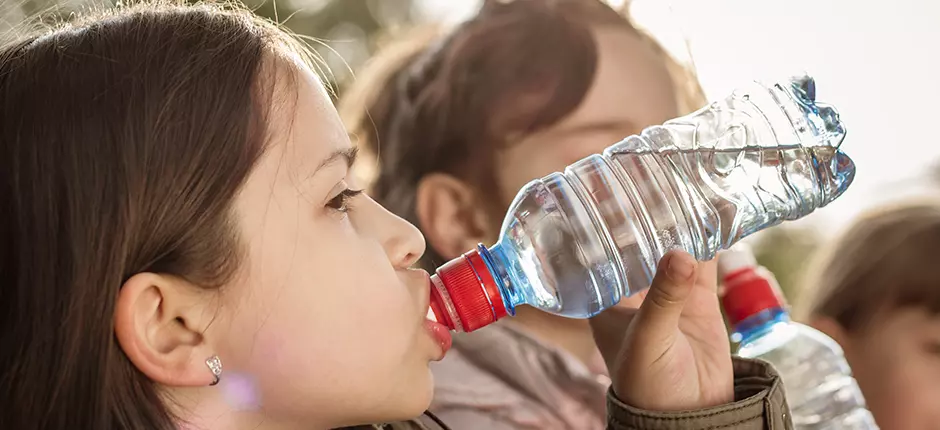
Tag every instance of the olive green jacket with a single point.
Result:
(759, 404)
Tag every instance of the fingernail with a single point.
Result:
(680, 267)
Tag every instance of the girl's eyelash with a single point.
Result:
(340, 203)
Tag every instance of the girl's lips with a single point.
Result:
(440, 334)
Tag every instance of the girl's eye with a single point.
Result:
(340, 203)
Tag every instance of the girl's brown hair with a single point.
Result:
(123, 141)
(447, 106)
(885, 260)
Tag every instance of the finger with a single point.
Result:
(708, 275)
(660, 312)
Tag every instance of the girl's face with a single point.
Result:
(326, 320)
(631, 90)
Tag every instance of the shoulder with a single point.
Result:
(474, 374)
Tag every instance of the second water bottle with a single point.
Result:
(820, 389)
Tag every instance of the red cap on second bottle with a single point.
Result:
(471, 297)
(749, 289)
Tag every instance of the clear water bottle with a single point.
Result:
(575, 243)
(820, 389)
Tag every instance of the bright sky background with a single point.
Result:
(877, 62)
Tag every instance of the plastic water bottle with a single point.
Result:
(820, 389)
(575, 243)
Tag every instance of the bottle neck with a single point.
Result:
(759, 324)
(496, 261)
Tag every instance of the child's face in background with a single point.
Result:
(896, 360)
(325, 321)
(631, 90)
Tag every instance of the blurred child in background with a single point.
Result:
(876, 291)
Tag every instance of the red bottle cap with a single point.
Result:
(749, 290)
(470, 290)
(747, 293)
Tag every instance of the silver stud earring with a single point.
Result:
(215, 365)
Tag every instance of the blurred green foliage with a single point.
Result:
(786, 251)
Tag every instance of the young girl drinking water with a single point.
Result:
(183, 248)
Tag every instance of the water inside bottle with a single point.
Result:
(706, 199)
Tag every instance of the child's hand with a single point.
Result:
(673, 353)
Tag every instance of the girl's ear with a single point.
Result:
(159, 323)
(450, 214)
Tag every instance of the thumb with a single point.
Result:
(660, 312)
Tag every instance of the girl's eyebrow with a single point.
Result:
(348, 155)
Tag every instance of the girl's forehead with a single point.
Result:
(304, 125)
